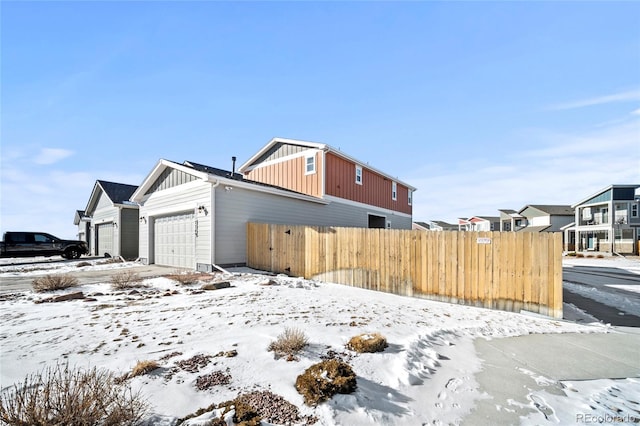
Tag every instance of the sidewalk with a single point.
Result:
(517, 366)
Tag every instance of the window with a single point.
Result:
(410, 196)
(358, 174)
(310, 165)
(634, 210)
(394, 191)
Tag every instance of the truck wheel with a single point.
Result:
(72, 253)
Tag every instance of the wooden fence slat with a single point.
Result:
(505, 270)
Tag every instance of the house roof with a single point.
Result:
(321, 146)
(553, 210)
(533, 228)
(634, 186)
(213, 170)
(444, 224)
(236, 176)
(487, 218)
(214, 174)
(79, 216)
(423, 224)
(118, 193)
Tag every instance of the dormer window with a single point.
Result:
(310, 165)
(358, 174)
(394, 191)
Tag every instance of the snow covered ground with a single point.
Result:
(425, 376)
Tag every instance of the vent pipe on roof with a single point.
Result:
(233, 167)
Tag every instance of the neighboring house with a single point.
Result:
(511, 220)
(420, 226)
(114, 220)
(479, 223)
(547, 218)
(608, 221)
(377, 199)
(195, 216)
(83, 222)
(434, 225)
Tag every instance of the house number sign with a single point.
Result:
(483, 240)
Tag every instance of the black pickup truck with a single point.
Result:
(30, 244)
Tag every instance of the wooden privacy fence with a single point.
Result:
(498, 270)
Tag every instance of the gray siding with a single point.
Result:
(279, 150)
(170, 178)
(129, 222)
(234, 208)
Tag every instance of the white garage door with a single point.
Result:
(104, 235)
(174, 240)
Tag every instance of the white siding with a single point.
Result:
(105, 212)
(179, 199)
(236, 207)
(539, 221)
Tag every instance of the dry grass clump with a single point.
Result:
(188, 277)
(125, 279)
(144, 367)
(64, 396)
(54, 282)
(368, 343)
(290, 342)
(323, 380)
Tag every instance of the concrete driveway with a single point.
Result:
(23, 283)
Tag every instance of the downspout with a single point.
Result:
(212, 234)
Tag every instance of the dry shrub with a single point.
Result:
(368, 343)
(579, 255)
(289, 342)
(125, 279)
(54, 282)
(81, 264)
(63, 396)
(188, 278)
(144, 367)
(323, 380)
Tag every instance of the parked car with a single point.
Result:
(28, 244)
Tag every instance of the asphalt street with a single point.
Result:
(600, 293)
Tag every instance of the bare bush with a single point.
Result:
(323, 380)
(290, 342)
(54, 282)
(125, 279)
(144, 367)
(368, 343)
(63, 396)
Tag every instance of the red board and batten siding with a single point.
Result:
(291, 175)
(375, 189)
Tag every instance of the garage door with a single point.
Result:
(174, 240)
(104, 235)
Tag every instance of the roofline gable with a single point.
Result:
(212, 178)
(595, 194)
(157, 170)
(321, 146)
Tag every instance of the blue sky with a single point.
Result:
(480, 105)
